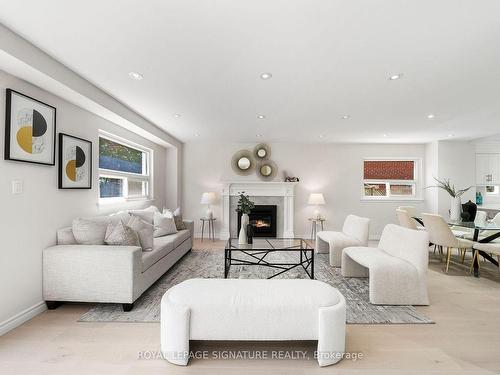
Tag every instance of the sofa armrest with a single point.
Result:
(91, 273)
(190, 226)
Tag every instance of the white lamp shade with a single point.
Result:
(316, 199)
(208, 198)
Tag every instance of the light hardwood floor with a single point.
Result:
(464, 340)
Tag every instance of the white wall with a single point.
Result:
(336, 170)
(29, 220)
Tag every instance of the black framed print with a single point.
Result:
(30, 129)
(75, 162)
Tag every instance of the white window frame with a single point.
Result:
(109, 173)
(417, 181)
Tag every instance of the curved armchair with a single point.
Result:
(354, 233)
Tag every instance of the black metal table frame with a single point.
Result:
(475, 239)
(259, 255)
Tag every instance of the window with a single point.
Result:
(124, 170)
(390, 179)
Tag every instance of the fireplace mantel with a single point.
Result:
(258, 189)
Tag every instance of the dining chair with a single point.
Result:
(405, 220)
(412, 210)
(492, 248)
(441, 235)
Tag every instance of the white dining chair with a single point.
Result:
(441, 235)
(405, 220)
(492, 248)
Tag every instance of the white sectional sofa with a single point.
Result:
(109, 274)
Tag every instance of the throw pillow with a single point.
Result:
(177, 215)
(152, 209)
(91, 230)
(121, 235)
(144, 230)
(164, 225)
(147, 216)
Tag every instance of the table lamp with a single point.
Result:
(208, 198)
(316, 199)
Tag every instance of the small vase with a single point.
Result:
(242, 238)
(250, 234)
(455, 209)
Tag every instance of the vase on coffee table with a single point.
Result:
(242, 238)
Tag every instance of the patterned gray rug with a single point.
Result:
(210, 264)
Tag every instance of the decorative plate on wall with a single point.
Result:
(267, 169)
(262, 151)
(243, 162)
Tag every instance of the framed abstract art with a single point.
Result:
(30, 130)
(75, 162)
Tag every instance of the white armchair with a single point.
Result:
(397, 268)
(354, 233)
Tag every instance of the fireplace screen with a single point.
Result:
(263, 219)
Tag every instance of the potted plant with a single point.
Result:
(244, 207)
(456, 202)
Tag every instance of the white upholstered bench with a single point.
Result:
(253, 309)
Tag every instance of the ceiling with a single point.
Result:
(202, 59)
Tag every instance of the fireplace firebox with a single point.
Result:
(263, 219)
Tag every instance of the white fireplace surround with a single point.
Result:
(259, 189)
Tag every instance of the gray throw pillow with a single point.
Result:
(144, 231)
(146, 215)
(90, 230)
(177, 215)
(164, 225)
(121, 235)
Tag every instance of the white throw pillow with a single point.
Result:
(144, 231)
(152, 209)
(146, 215)
(122, 216)
(90, 230)
(121, 235)
(177, 215)
(164, 225)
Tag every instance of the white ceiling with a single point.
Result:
(203, 59)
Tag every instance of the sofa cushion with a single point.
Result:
(65, 236)
(90, 230)
(161, 248)
(181, 236)
(371, 257)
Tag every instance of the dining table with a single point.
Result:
(481, 232)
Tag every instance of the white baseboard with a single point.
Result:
(22, 317)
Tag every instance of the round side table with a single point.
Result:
(314, 225)
(211, 229)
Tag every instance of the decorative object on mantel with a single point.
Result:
(316, 199)
(75, 162)
(243, 162)
(267, 169)
(456, 202)
(262, 151)
(30, 130)
(208, 198)
(291, 179)
(244, 207)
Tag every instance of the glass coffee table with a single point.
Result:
(265, 252)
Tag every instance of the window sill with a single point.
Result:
(120, 202)
(378, 200)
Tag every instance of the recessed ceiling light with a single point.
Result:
(261, 117)
(177, 115)
(395, 76)
(385, 135)
(431, 116)
(321, 136)
(196, 135)
(451, 135)
(258, 135)
(136, 75)
(345, 117)
(266, 76)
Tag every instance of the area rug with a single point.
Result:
(210, 264)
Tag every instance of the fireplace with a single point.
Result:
(263, 219)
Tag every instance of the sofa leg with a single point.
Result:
(127, 306)
(52, 305)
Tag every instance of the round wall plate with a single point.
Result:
(262, 151)
(266, 169)
(243, 162)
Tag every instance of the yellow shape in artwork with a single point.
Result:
(25, 138)
(71, 170)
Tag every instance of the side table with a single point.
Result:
(211, 230)
(314, 224)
